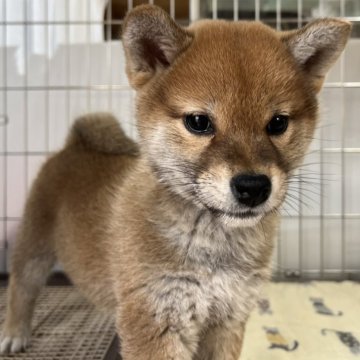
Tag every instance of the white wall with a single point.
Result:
(326, 235)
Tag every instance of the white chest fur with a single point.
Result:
(220, 273)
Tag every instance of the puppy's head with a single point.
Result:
(226, 110)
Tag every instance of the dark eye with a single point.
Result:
(198, 124)
(277, 125)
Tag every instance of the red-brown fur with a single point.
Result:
(134, 228)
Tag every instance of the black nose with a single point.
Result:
(250, 190)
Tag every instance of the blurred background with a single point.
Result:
(62, 58)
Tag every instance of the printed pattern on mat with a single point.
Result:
(277, 341)
(264, 306)
(347, 338)
(65, 326)
(305, 321)
(322, 309)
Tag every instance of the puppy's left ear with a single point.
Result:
(152, 40)
(317, 46)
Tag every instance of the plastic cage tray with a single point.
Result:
(65, 326)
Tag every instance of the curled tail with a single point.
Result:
(101, 132)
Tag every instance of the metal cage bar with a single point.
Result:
(343, 158)
(5, 100)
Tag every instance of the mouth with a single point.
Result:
(236, 215)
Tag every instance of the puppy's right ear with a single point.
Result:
(316, 46)
(152, 40)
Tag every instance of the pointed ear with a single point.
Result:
(152, 40)
(317, 46)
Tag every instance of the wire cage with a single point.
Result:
(62, 58)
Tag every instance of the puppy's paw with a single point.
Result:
(11, 345)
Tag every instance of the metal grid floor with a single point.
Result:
(65, 326)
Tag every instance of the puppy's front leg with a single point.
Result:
(222, 343)
(162, 321)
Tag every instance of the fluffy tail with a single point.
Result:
(101, 132)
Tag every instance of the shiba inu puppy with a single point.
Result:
(174, 236)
